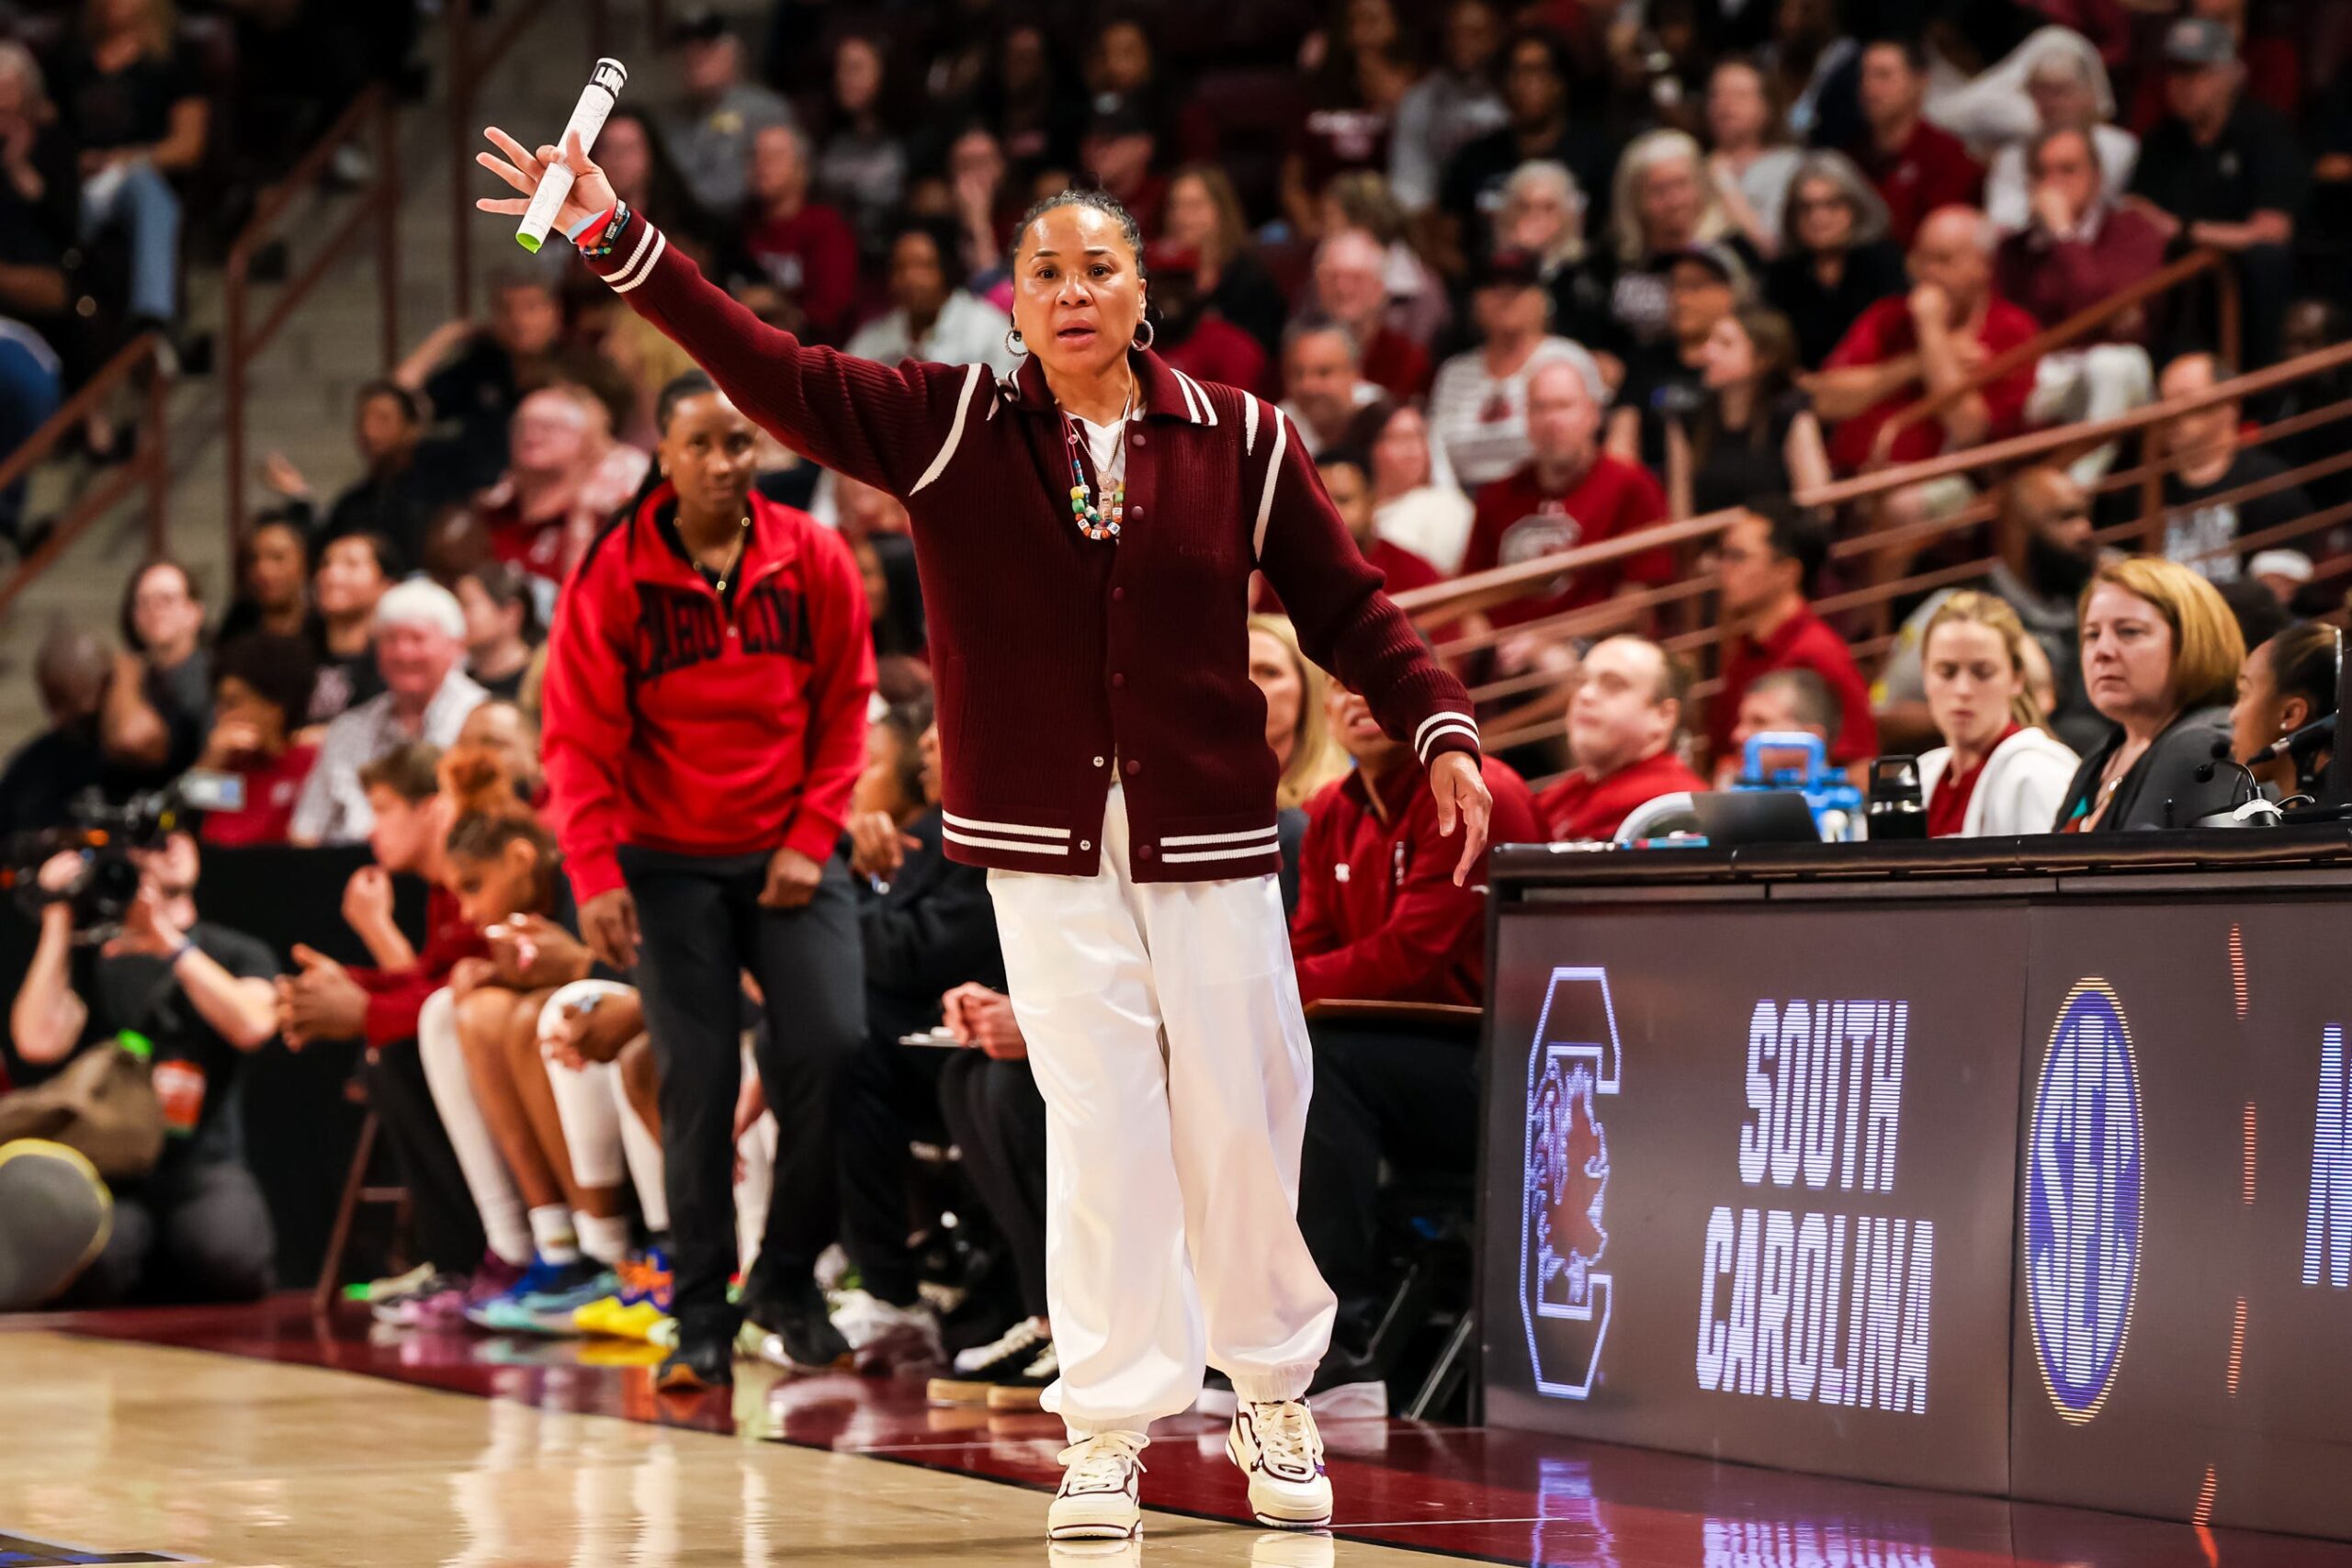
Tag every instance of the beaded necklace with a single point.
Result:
(1099, 522)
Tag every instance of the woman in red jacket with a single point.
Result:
(1085, 529)
(706, 683)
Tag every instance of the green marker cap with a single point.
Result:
(528, 242)
(138, 1044)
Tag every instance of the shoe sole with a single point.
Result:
(1094, 1532)
(686, 1380)
(958, 1391)
(1003, 1397)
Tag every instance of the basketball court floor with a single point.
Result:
(255, 1437)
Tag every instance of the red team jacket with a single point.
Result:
(396, 996)
(675, 722)
(1057, 657)
(1379, 917)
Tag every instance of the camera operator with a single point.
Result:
(195, 1228)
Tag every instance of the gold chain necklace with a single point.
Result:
(742, 537)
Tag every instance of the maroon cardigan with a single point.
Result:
(1058, 658)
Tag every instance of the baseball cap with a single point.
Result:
(1511, 269)
(1719, 259)
(2198, 41)
(2292, 565)
(698, 24)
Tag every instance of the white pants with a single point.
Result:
(600, 1126)
(1164, 1030)
(2076, 385)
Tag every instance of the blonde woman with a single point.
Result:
(1998, 771)
(1297, 729)
(1662, 204)
(2161, 653)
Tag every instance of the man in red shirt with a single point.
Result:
(2079, 249)
(1571, 493)
(1624, 723)
(802, 249)
(1380, 919)
(1351, 289)
(1903, 350)
(1917, 167)
(1769, 560)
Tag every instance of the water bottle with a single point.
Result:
(1897, 810)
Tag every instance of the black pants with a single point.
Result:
(1410, 1097)
(702, 925)
(448, 1230)
(997, 1118)
(195, 1230)
(889, 1095)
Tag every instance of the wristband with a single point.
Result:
(599, 242)
(186, 947)
(594, 220)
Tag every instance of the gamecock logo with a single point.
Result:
(2085, 1181)
(1564, 1298)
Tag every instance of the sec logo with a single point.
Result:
(1564, 1298)
(2084, 1192)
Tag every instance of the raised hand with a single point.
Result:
(592, 193)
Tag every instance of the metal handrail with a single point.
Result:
(150, 461)
(379, 201)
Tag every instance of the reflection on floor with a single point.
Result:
(123, 1444)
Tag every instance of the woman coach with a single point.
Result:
(1085, 530)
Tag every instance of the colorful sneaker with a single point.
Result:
(1100, 1495)
(596, 1317)
(435, 1300)
(542, 1282)
(1023, 1391)
(493, 1276)
(551, 1311)
(376, 1292)
(1008, 1352)
(643, 1316)
(1279, 1450)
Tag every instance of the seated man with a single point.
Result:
(1905, 349)
(1323, 384)
(194, 1228)
(1380, 919)
(1623, 724)
(1570, 493)
(2224, 171)
(1786, 701)
(1770, 559)
(2077, 250)
(420, 653)
(2212, 463)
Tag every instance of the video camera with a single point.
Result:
(104, 833)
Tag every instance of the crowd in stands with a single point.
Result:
(1522, 278)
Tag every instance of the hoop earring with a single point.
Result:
(1014, 344)
(1150, 333)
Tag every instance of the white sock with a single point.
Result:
(496, 1198)
(552, 1234)
(642, 1151)
(603, 1238)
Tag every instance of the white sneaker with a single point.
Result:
(1027, 1335)
(1101, 1497)
(862, 1319)
(1279, 1450)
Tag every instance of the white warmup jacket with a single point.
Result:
(2024, 785)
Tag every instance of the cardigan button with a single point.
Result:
(1140, 439)
(1117, 594)
(1118, 678)
(1098, 762)
(1143, 852)
(1136, 511)
(1086, 843)
(1133, 767)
